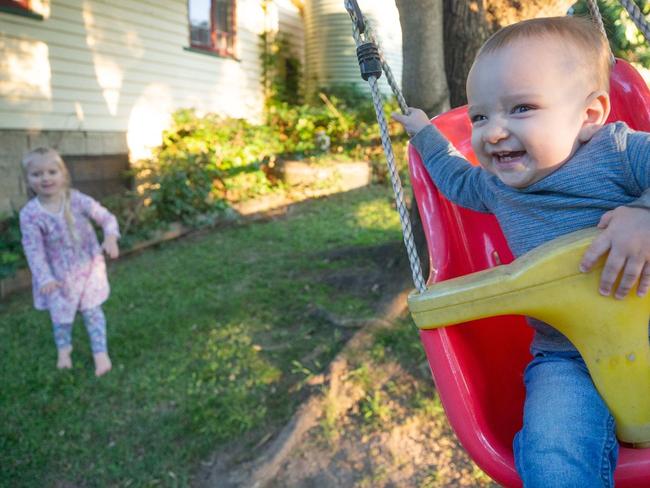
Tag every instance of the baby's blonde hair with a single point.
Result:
(42, 152)
(580, 33)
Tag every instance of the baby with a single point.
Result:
(538, 101)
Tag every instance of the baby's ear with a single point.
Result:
(596, 112)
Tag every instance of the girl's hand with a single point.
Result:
(626, 235)
(48, 288)
(414, 121)
(110, 246)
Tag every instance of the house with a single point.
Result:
(98, 79)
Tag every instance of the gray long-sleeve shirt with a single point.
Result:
(611, 170)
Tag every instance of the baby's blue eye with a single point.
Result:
(477, 118)
(520, 109)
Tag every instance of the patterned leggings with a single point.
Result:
(95, 323)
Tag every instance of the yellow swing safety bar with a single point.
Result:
(546, 283)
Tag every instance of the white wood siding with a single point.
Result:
(330, 47)
(119, 65)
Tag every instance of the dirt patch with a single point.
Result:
(369, 422)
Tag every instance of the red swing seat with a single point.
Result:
(478, 368)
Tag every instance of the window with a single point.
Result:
(28, 8)
(212, 25)
(17, 4)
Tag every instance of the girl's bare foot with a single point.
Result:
(102, 363)
(64, 361)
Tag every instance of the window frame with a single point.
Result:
(20, 7)
(222, 43)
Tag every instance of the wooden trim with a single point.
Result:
(209, 52)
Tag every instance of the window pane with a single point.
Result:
(23, 4)
(224, 13)
(199, 12)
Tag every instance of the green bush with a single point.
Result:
(204, 162)
(137, 221)
(281, 69)
(207, 162)
(11, 251)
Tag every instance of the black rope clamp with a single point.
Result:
(369, 60)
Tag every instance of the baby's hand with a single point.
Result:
(414, 121)
(626, 234)
(48, 288)
(110, 246)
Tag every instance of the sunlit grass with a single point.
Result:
(211, 340)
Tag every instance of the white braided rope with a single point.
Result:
(416, 269)
(370, 37)
(637, 17)
(598, 18)
(595, 14)
(409, 242)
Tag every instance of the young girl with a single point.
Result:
(66, 261)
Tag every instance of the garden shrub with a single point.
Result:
(203, 163)
(11, 251)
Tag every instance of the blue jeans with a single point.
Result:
(568, 437)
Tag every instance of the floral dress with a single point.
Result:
(53, 255)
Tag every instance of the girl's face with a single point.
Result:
(45, 176)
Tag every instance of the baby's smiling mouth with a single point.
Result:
(506, 157)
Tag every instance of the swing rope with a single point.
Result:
(637, 17)
(633, 11)
(594, 11)
(372, 63)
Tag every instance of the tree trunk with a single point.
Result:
(423, 81)
(465, 29)
(468, 23)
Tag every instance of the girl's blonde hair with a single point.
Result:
(42, 152)
(580, 34)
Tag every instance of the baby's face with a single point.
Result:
(527, 103)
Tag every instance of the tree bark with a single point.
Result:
(465, 29)
(423, 79)
(468, 24)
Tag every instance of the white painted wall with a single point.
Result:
(120, 65)
(330, 47)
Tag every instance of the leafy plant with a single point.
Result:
(11, 251)
(203, 163)
(281, 69)
(626, 40)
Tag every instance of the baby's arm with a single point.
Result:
(34, 248)
(107, 220)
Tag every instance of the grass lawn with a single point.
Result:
(211, 338)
